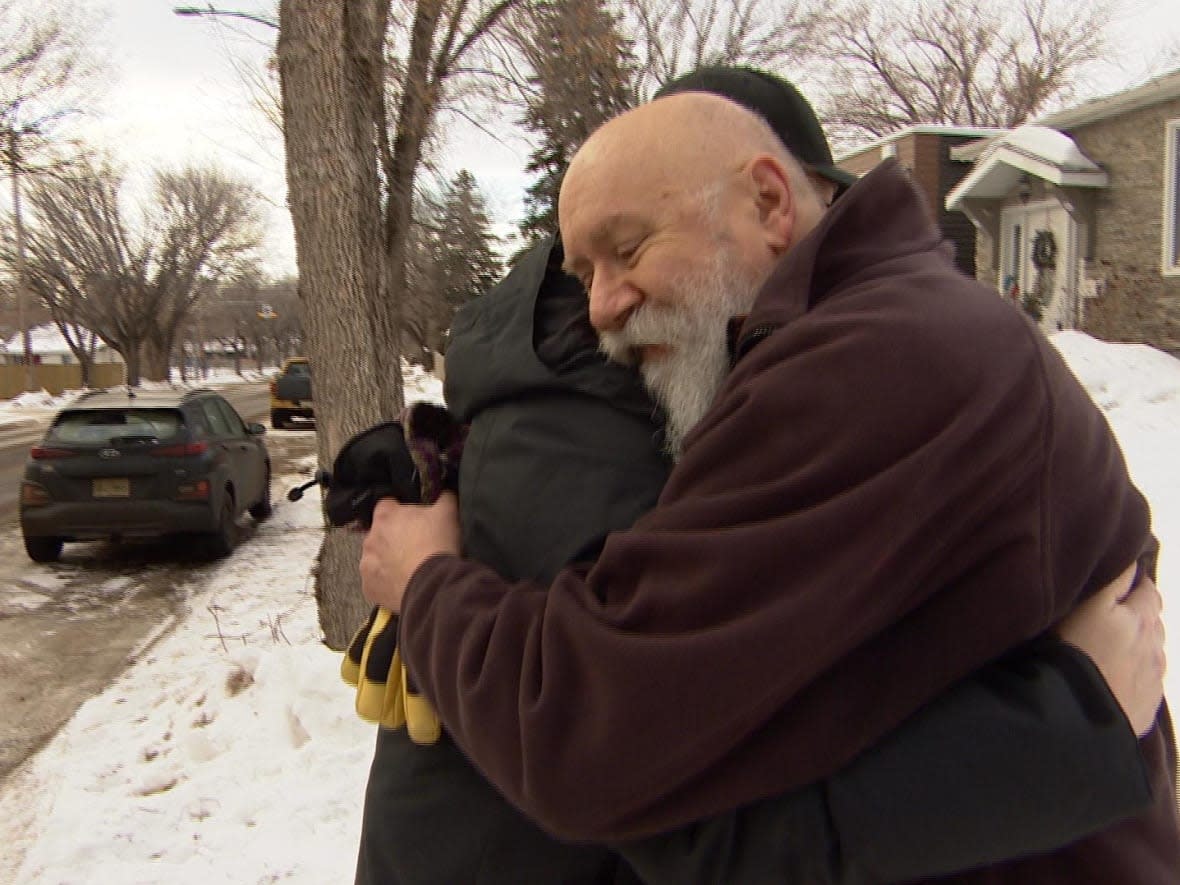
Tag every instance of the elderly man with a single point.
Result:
(885, 478)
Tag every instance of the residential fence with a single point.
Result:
(55, 379)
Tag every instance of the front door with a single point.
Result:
(1038, 262)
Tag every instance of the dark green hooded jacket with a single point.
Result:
(563, 448)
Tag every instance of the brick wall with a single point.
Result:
(1137, 303)
(923, 159)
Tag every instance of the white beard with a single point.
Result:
(686, 379)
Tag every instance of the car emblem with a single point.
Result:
(109, 453)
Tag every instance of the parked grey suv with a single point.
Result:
(118, 464)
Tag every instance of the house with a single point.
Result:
(54, 367)
(926, 151)
(1078, 215)
(48, 347)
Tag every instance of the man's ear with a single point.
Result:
(775, 200)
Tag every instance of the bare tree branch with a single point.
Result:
(966, 62)
(673, 36)
(133, 283)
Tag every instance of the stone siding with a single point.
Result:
(1136, 302)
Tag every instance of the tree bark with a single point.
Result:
(130, 353)
(326, 57)
(155, 354)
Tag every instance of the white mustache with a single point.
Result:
(646, 327)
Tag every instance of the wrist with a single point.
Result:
(421, 582)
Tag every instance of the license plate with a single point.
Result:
(112, 488)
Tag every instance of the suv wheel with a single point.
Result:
(43, 549)
(278, 419)
(224, 539)
(263, 508)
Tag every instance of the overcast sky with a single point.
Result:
(175, 97)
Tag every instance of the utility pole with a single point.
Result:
(21, 289)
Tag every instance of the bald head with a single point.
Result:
(680, 157)
(685, 143)
(693, 133)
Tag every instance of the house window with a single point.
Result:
(1171, 251)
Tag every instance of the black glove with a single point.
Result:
(383, 463)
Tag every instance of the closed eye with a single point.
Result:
(627, 251)
(585, 277)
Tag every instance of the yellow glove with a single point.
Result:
(385, 693)
(350, 667)
(373, 665)
(421, 720)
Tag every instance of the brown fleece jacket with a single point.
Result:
(900, 481)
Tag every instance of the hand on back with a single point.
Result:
(1122, 630)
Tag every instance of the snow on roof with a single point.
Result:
(1027, 150)
(1045, 144)
(946, 130)
(45, 339)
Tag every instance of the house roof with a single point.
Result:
(1026, 150)
(1162, 88)
(921, 129)
(45, 339)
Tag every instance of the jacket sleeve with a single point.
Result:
(806, 582)
(1052, 759)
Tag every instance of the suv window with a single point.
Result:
(109, 426)
(298, 369)
(215, 418)
(232, 420)
(197, 423)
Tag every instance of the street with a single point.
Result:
(68, 629)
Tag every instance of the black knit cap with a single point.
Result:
(779, 103)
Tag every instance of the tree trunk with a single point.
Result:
(333, 193)
(129, 350)
(156, 355)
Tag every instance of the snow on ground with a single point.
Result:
(1139, 390)
(229, 751)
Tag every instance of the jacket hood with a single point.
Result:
(530, 334)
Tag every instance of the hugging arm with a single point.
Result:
(1026, 755)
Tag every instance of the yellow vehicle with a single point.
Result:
(290, 394)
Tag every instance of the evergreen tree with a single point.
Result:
(457, 252)
(583, 74)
